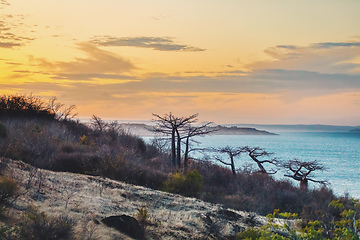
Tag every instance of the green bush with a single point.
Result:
(250, 234)
(142, 216)
(3, 132)
(40, 226)
(189, 184)
(344, 226)
(8, 189)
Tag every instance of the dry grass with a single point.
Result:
(88, 199)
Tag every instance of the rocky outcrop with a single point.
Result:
(125, 224)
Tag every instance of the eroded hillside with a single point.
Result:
(89, 199)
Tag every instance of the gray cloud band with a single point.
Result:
(155, 43)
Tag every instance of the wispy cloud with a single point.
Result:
(291, 47)
(324, 57)
(160, 17)
(155, 43)
(13, 63)
(8, 37)
(233, 72)
(326, 45)
(321, 45)
(9, 44)
(298, 80)
(270, 81)
(92, 76)
(4, 2)
(99, 64)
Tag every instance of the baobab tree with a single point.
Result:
(192, 131)
(255, 153)
(301, 171)
(171, 125)
(231, 152)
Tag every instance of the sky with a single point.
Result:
(230, 61)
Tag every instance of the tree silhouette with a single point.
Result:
(231, 153)
(171, 125)
(255, 153)
(192, 131)
(302, 171)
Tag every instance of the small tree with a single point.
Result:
(8, 189)
(231, 152)
(255, 153)
(302, 171)
(171, 125)
(98, 123)
(192, 131)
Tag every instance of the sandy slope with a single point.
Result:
(89, 199)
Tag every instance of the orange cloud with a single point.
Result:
(98, 62)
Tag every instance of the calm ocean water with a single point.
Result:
(339, 152)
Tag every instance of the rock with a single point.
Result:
(125, 224)
(229, 215)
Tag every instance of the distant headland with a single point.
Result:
(141, 129)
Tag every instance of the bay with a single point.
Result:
(339, 152)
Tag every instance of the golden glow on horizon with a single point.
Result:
(232, 60)
(235, 106)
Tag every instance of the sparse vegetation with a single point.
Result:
(343, 226)
(189, 184)
(39, 226)
(45, 135)
(8, 189)
(3, 131)
(143, 218)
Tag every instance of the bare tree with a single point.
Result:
(192, 131)
(54, 106)
(179, 124)
(166, 125)
(59, 110)
(171, 125)
(67, 114)
(231, 152)
(98, 123)
(255, 153)
(301, 171)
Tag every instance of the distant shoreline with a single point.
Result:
(141, 129)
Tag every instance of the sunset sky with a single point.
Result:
(231, 61)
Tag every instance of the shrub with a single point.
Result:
(189, 184)
(3, 132)
(39, 226)
(72, 162)
(24, 106)
(250, 234)
(143, 217)
(9, 233)
(8, 189)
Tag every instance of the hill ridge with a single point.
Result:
(89, 199)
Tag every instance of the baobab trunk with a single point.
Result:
(233, 165)
(178, 157)
(262, 169)
(173, 148)
(186, 155)
(304, 184)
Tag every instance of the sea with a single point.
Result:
(339, 152)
